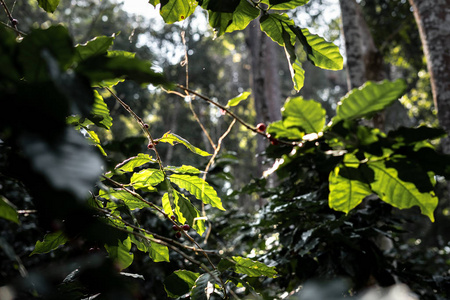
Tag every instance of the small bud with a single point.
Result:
(146, 126)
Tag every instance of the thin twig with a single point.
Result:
(10, 17)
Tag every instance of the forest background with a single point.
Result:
(293, 193)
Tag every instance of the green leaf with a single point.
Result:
(242, 16)
(253, 268)
(168, 205)
(321, 53)
(177, 10)
(122, 195)
(184, 169)
(97, 46)
(51, 242)
(306, 114)
(345, 193)
(100, 113)
(368, 99)
(295, 66)
(174, 139)
(278, 130)
(180, 283)
(199, 188)
(200, 290)
(274, 25)
(48, 5)
(147, 179)
(56, 41)
(236, 100)
(8, 211)
(284, 4)
(107, 70)
(157, 252)
(399, 193)
(189, 213)
(94, 139)
(131, 163)
(121, 253)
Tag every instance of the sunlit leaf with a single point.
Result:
(199, 188)
(274, 25)
(97, 46)
(48, 5)
(284, 4)
(174, 139)
(253, 268)
(184, 169)
(295, 66)
(100, 113)
(157, 252)
(321, 53)
(368, 99)
(147, 178)
(346, 193)
(120, 253)
(94, 139)
(8, 211)
(176, 10)
(190, 213)
(236, 100)
(51, 242)
(119, 194)
(400, 193)
(306, 114)
(278, 130)
(242, 16)
(131, 163)
(180, 283)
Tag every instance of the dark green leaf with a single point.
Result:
(8, 211)
(56, 41)
(51, 242)
(412, 135)
(180, 283)
(200, 290)
(198, 188)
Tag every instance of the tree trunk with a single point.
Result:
(433, 20)
(364, 60)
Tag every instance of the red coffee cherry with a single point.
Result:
(178, 235)
(186, 227)
(261, 127)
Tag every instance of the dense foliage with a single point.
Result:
(141, 228)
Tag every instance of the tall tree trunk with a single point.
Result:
(265, 79)
(433, 20)
(364, 60)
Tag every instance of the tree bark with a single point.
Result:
(364, 61)
(433, 20)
